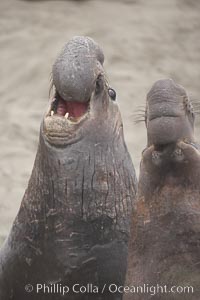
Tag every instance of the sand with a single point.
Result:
(143, 41)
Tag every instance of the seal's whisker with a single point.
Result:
(140, 110)
(195, 101)
(143, 107)
(135, 120)
(139, 121)
(139, 117)
(138, 114)
(196, 106)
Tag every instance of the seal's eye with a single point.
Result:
(112, 94)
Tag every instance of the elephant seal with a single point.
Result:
(164, 248)
(69, 239)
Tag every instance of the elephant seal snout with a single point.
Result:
(169, 113)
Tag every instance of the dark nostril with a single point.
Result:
(112, 94)
(98, 85)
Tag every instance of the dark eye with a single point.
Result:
(112, 94)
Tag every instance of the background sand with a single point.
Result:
(143, 41)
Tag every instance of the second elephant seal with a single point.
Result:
(164, 249)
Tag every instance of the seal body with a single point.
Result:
(164, 249)
(69, 239)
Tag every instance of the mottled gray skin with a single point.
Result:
(164, 246)
(73, 223)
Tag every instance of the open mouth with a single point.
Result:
(64, 120)
(72, 111)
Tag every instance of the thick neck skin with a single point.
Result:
(80, 178)
(164, 245)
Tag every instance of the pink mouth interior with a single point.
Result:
(75, 109)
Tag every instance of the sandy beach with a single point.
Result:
(143, 41)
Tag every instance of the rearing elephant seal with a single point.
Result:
(164, 249)
(70, 235)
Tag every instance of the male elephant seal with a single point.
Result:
(164, 249)
(73, 224)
